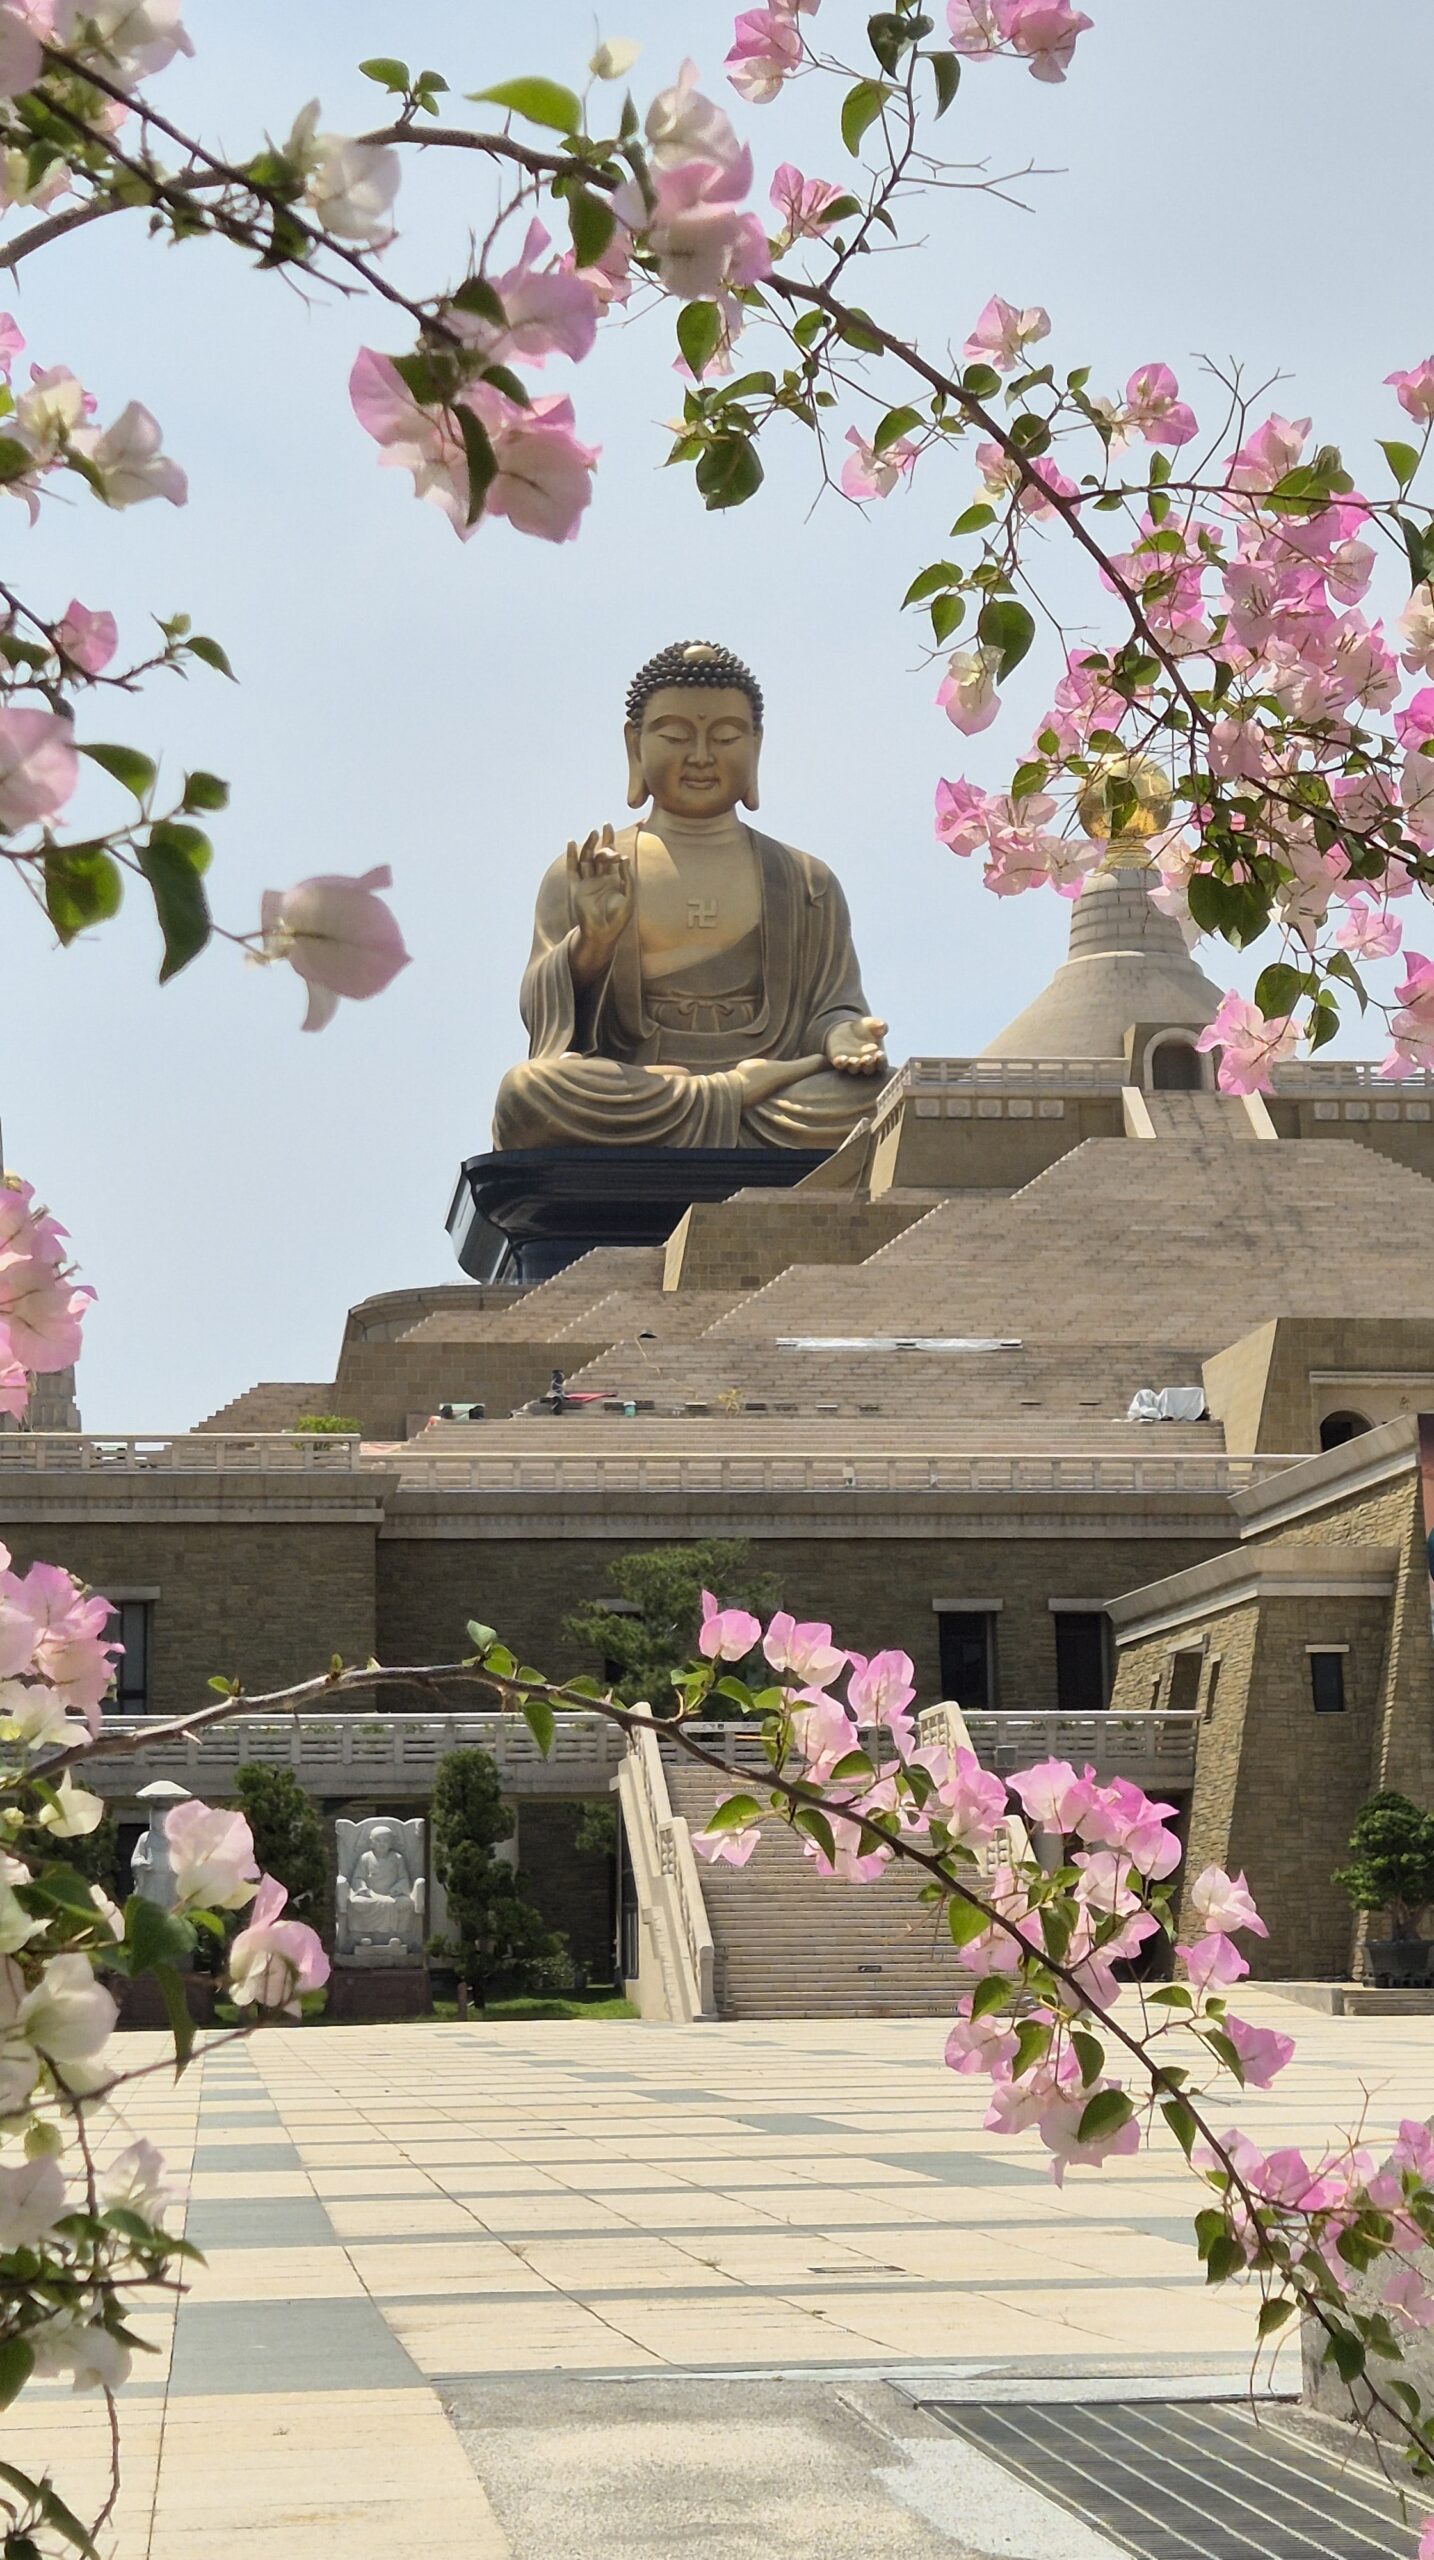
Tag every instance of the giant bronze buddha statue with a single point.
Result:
(692, 982)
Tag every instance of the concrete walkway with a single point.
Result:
(434, 2237)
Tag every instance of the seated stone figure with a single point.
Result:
(380, 1893)
(692, 982)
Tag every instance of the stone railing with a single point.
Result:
(1343, 1075)
(587, 1471)
(1155, 1748)
(192, 1452)
(378, 1755)
(676, 1972)
(928, 1076)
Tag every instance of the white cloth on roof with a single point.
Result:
(1167, 1404)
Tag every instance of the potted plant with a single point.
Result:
(1391, 1869)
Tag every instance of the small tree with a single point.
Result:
(497, 1932)
(657, 1634)
(1391, 1864)
(288, 1838)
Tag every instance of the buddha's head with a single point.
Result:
(380, 1839)
(694, 732)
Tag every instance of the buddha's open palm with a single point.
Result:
(604, 887)
(854, 1047)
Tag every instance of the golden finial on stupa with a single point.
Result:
(1154, 800)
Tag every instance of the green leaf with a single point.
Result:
(154, 1937)
(172, 861)
(1181, 2122)
(499, 1661)
(1007, 626)
(176, 2010)
(212, 655)
(1279, 988)
(855, 1764)
(966, 1920)
(931, 582)
(479, 1636)
(947, 70)
(205, 791)
(541, 1722)
(15, 459)
(1226, 2258)
(17, 2363)
(859, 330)
(974, 520)
(386, 71)
(860, 109)
(592, 223)
(991, 1994)
(812, 1822)
(481, 459)
(55, 2513)
(1346, 2354)
(1340, 965)
(540, 101)
(1089, 2053)
(83, 886)
(699, 334)
(888, 35)
(1274, 2314)
(734, 1814)
(981, 380)
(127, 765)
(509, 383)
(730, 472)
(947, 614)
(1033, 2043)
(896, 424)
(1104, 2114)
(476, 296)
(1323, 1024)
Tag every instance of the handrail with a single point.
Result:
(590, 1470)
(677, 1912)
(199, 1452)
(396, 1750)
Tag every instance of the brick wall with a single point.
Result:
(265, 1605)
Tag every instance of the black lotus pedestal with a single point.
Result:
(528, 1213)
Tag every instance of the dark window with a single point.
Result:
(129, 1626)
(1185, 1670)
(1337, 1428)
(1327, 1683)
(1082, 1661)
(1175, 1068)
(1211, 1687)
(968, 1657)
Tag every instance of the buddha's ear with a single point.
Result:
(750, 799)
(638, 794)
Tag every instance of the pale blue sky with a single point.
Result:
(1228, 179)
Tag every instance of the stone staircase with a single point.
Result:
(276, 1405)
(792, 1944)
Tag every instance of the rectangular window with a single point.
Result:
(1327, 1683)
(968, 1657)
(1082, 1661)
(1212, 1686)
(1185, 1670)
(129, 1625)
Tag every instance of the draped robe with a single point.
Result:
(637, 1061)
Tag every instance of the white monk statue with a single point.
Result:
(692, 982)
(380, 1890)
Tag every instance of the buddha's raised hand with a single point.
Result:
(854, 1046)
(603, 887)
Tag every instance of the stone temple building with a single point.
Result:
(912, 1382)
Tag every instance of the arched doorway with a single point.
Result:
(1177, 1067)
(1337, 1428)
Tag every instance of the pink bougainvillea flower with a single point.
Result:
(543, 479)
(726, 1635)
(12, 343)
(962, 823)
(1154, 408)
(138, 37)
(1214, 1962)
(1263, 2052)
(127, 461)
(684, 125)
(766, 50)
(88, 640)
(1044, 31)
(273, 1961)
(547, 310)
(967, 692)
(1415, 390)
(695, 227)
(1052, 1795)
(881, 1690)
(38, 766)
(1225, 1902)
(1249, 1044)
(803, 203)
(727, 1848)
(70, 1652)
(805, 1650)
(1003, 334)
(21, 58)
(1268, 453)
(1426, 2541)
(869, 474)
(338, 935)
(211, 1856)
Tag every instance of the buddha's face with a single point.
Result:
(696, 751)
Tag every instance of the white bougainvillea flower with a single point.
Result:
(340, 937)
